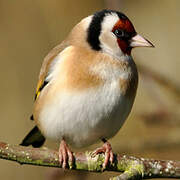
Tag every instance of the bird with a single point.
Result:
(87, 86)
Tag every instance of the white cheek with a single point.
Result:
(107, 39)
(109, 44)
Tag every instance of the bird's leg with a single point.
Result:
(107, 150)
(65, 154)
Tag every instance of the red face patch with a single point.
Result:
(126, 26)
(124, 46)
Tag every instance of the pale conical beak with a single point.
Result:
(139, 41)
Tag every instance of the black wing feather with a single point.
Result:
(36, 95)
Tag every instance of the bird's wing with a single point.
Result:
(46, 65)
(45, 68)
(35, 137)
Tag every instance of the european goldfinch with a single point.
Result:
(87, 85)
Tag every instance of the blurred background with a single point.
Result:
(30, 29)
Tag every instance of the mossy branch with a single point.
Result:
(131, 167)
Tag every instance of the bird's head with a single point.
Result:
(111, 32)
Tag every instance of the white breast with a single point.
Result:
(85, 117)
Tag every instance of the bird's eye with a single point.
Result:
(119, 33)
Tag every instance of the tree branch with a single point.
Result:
(132, 167)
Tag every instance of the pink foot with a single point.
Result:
(65, 155)
(107, 150)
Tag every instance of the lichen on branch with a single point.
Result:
(131, 167)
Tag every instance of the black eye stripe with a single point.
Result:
(119, 33)
(122, 34)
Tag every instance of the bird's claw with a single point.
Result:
(107, 150)
(65, 155)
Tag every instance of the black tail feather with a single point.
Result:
(34, 138)
(32, 117)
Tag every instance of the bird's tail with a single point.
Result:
(34, 138)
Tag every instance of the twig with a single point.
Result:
(132, 167)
